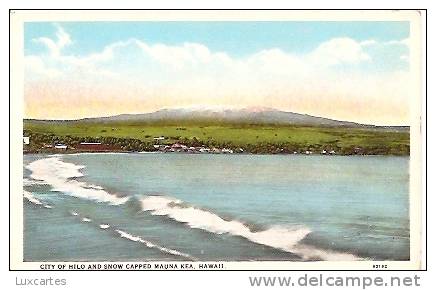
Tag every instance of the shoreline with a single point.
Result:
(192, 153)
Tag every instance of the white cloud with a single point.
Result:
(405, 42)
(35, 66)
(194, 58)
(372, 42)
(63, 39)
(368, 42)
(339, 50)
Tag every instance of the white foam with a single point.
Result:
(94, 186)
(284, 238)
(104, 226)
(309, 252)
(58, 174)
(30, 197)
(149, 244)
(29, 182)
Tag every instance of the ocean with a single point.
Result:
(207, 207)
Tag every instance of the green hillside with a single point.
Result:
(344, 140)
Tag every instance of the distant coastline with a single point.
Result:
(50, 143)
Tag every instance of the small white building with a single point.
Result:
(90, 143)
(26, 140)
(61, 146)
(226, 150)
(216, 150)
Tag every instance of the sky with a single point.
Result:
(355, 71)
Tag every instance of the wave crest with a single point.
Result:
(60, 176)
(149, 244)
(30, 197)
(284, 238)
(276, 236)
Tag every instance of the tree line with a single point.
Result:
(39, 140)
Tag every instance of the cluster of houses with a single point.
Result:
(323, 152)
(177, 147)
(183, 148)
(93, 146)
(83, 146)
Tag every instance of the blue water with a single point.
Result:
(216, 207)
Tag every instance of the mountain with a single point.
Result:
(225, 115)
(249, 115)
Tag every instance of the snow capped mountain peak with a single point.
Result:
(258, 109)
(228, 114)
(218, 109)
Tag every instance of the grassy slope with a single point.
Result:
(228, 133)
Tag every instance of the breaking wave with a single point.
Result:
(279, 237)
(30, 197)
(60, 176)
(149, 244)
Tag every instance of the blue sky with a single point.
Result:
(235, 38)
(354, 71)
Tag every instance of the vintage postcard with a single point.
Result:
(216, 140)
